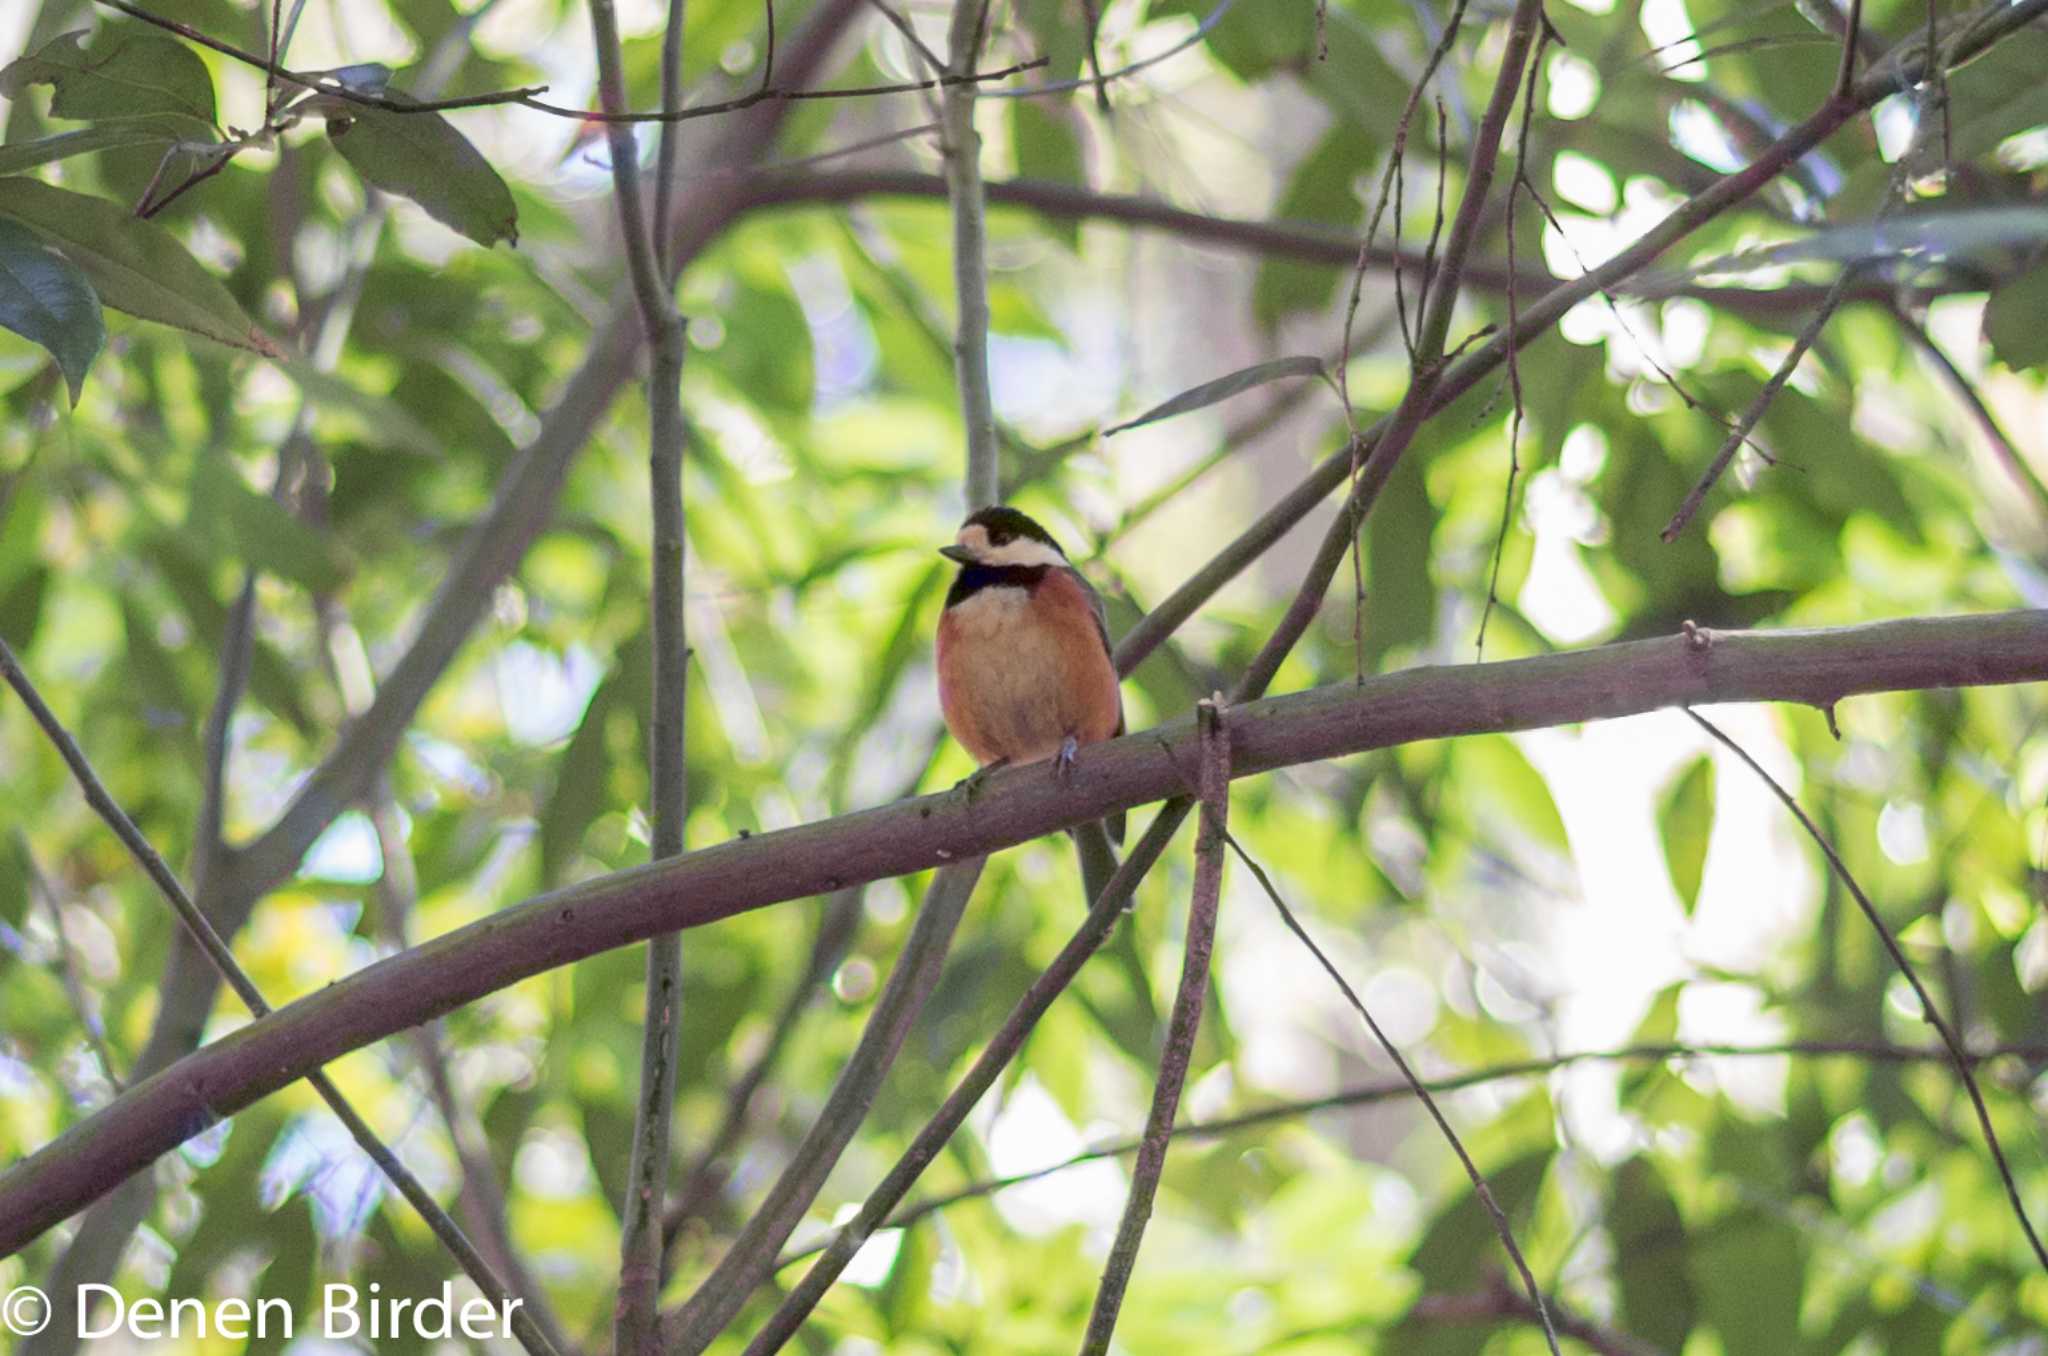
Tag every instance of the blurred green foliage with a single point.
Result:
(1708, 1207)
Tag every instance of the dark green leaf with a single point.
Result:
(1685, 821)
(2014, 320)
(135, 266)
(1045, 146)
(1222, 388)
(1657, 1299)
(1750, 1270)
(262, 532)
(422, 157)
(1323, 190)
(125, 71)
(45, 299)
(1401, 595)
(1461, 1245)
(118, 132)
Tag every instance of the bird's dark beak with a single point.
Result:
(960, 555)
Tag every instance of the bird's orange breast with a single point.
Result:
(1023, 668)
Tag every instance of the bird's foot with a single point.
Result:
(970, 785)
(1063, 761)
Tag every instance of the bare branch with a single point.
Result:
(1181, 1026)
(1966, 391)
(635, 1322)
(1816, 668)
(1745, 424)
(1958, 1056)
(1852, 32)
(961, 146)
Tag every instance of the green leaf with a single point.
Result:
(45, 299)
(126, 70)
(102, 136)
(1500, 788)
(263, 532)
(1046, 148)
(1401, 594)
(1222, 388)
(134, 266)
(1461, 1245)
(2012, 320)
(582, 786)
(383, 418)
(1322, 190)
(1658, 1303)
(422, 157)
(1685, 821)
(1750, 1269)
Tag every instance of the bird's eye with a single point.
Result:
(999, 539)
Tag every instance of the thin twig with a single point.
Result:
(961, 146)
(636, 1322)
(750, 1260)
(1958, 1056)
(1501, 1227)
(1388, 181)
(527, 96)
(1181, 1027)
(932, 60)
(1392, 1090)
(1091, 17)
(1201, 31)
(1515, 187)
(1745, 423)
(1391, 439)
(67, 964)
(1852, 32)
(2002, 446)
(670, 144)
(197, 925)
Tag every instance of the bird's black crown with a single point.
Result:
(1005, 524)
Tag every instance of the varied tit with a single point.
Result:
(1023, 652)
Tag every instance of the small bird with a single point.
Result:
(1023, 649)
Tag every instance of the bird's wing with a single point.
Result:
(1101, 611)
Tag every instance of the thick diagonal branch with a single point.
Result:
(1818, 668)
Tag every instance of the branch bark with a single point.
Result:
(1818, 668)
(640, 1236)
(1181, 1027)
(961, 145)
(1302, 242)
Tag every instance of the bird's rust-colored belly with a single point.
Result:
(1021, 670)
